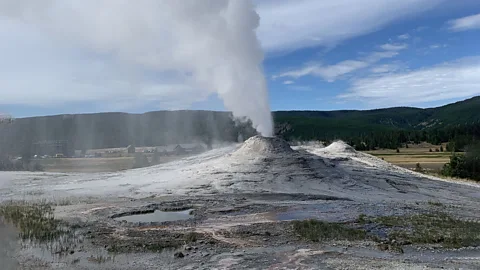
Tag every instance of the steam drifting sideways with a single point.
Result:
(209, 45)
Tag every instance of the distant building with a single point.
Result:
(130, 149)
(179, 150)
(53, 148)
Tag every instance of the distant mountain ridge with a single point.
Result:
(401, 117)
(105, 130)
(407, 118)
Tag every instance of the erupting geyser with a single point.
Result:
(209, 45)
(264, 146)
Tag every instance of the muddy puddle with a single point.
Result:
(158, 216)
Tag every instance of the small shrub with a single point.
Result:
(433, 203)
(315, 230)
(191, 237)
(418, 168)
(398, 150)
(362, 219)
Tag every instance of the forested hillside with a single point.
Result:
(387, 128)
(108, 130)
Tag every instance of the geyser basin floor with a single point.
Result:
(239, 193)
(240, 231)
(157, 216)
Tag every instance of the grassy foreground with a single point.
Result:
(36, 224)
(434, 228)
(437, 228)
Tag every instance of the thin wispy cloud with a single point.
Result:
(453, 80)
(466, 23)
(385, 68)
(301, 88)
(404, 36)
(331, 73)
(377, 56)
(295, 24)
(394, 47)
(288, 82)
(421, 28)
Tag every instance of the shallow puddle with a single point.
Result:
(158, 216)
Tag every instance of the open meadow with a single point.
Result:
(431, 161)
(87, 164)
(99, 164)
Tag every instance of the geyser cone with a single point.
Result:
(264, 146)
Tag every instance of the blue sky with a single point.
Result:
(319, 55)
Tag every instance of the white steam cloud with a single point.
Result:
(210, 44)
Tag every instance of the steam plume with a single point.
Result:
(209, 44)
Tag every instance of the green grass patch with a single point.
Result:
(35, 221)
(162, 243)
(413, 155)
(315, 230)
(159, 246)
(36, 224)
(434, 203)
(436, 228)
(100, 259)
(191, 237)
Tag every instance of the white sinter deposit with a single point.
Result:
(265, 165)
(263, 146)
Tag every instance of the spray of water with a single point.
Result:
(210, 44)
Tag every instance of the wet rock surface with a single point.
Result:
(243, 232)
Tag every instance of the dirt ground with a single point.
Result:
(96, 165)
(87, 164)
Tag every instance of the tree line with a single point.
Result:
(461, 138)
(368, 138)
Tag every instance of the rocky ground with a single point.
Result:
(251, 209)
